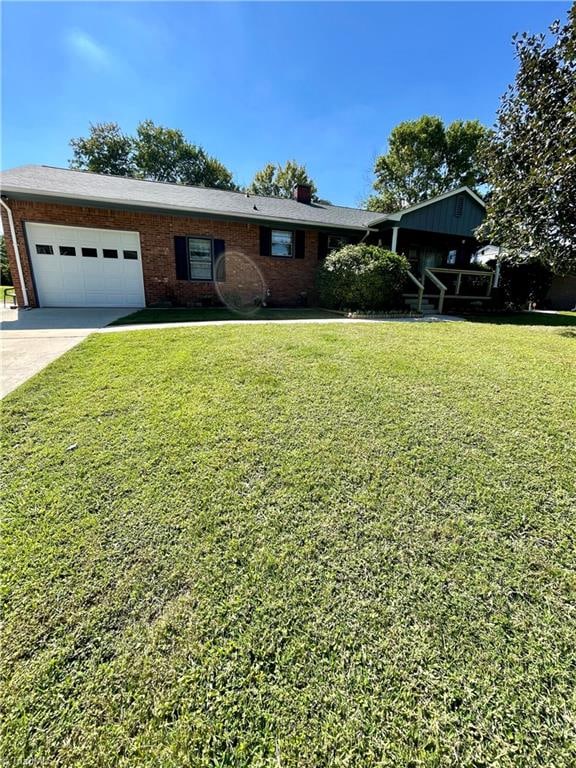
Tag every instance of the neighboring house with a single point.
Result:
(84, 239)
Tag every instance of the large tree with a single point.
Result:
(426, 158)
(531, 156)
(279, 180)
(105, 150)
(155, 152)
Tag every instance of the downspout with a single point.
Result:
(365, 235)
(16, 251)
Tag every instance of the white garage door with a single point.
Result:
(80, 267)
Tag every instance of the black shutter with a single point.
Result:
(265, 241)
(181, 253)
(220, 261)
(299, 244)
(322, 245)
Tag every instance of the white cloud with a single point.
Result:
(88, 49)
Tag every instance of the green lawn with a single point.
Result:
(292, 546)
(3, 289)
(208, 314)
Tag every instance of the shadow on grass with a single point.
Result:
(210, 314)
(552, 319)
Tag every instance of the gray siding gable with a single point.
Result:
(440, 216)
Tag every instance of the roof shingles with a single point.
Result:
(46, 181)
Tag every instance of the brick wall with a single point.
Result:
(283, 280)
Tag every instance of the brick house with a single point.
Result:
(81, 239)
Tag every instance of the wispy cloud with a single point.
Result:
(88, 49)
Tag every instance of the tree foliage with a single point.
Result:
(531, 157)
(155, 152)
(5, 276)
(426, 158)
(105, 150)
(280, 180)
(364, 277)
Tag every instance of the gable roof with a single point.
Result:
(62, 184)
(398, 214)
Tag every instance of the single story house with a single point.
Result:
(80, 239)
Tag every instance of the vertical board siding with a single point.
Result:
(439, 217)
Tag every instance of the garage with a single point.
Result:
(81, 267)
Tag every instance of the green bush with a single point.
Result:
(362, 277)
(5, 276)
(521, 284)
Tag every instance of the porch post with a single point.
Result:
(394, 245)
(458, 281)
(497, 274)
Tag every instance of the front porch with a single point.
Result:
(436, 285)
(442, 273)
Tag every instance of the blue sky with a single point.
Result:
(321, 83)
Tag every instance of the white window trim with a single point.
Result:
(200, 279)
(292, 244)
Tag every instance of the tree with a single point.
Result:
(279, 181)
(105, 150)
(5, 276)
(426, 158)
(164, 154)
(155, 152)
(531, 157)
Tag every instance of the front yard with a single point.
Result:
(315, 545)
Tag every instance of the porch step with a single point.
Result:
(427, 307)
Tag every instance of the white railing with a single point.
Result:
(439, 284)
(489, 275)
(420, 287)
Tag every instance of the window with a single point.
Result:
(335, 242)
(130, 255)
(67, 250)
(200, 258)
(90, 252)
(452, 257)
(44, 249)
(110, 253)
(282, 244)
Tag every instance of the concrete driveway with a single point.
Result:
(29, 340)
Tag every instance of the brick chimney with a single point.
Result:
(302, 193)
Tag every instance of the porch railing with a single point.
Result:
(420, 287)
(439, 284)
(474, 276)
(455, 284)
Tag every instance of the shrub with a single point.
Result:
(363, 277)
(5, 276)
(521, 284)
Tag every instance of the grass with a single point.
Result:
(209, 314)
(293, 546)
(3, 289)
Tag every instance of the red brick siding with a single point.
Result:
(284, 279)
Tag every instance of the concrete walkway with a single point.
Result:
(302, 321)
(29, 340)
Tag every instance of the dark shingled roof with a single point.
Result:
(41, 181)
